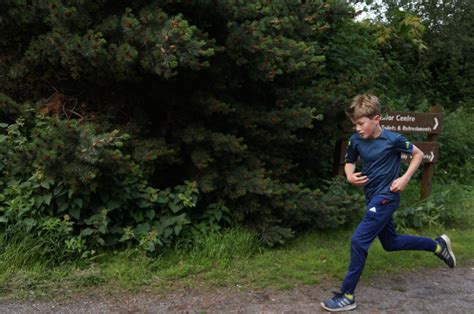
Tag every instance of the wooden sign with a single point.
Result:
(412, 122)
(408, 122)
(429, 149)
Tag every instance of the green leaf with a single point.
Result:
(47, 198)
(58, 190)
(113, 204)
(150, 214)
(175, 207)
(143, 204)
(218, 215)
(162, 199)
(125, 237)
(168, 232)
(227, 219)
(45, 184)
(167, 221)
(158, 228)
(103, 228)
(87, 232)
(137, 216)
(78, 202)
(38, 200)
(142, 229)
(30, 223)
(63, 206)
(150, 246)
(3, 138)
(75, 212)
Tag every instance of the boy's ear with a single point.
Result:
(377, 118)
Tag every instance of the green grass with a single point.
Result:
(310, 259)
(233, 259)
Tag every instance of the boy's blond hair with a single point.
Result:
(364, 105)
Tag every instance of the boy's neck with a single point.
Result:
(377, 132)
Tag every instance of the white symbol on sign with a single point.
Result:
(432, 156)
(436, 123)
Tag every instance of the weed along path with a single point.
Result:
(427, 291)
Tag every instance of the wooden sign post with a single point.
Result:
(407, 122)
(428, 169)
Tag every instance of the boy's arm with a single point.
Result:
(399, 184)
(356, 178)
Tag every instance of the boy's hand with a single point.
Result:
(357, 179)
(398, 185)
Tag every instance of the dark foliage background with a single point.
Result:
(147, 121)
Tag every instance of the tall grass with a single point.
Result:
(211, 251)
(234, 257)
(22, 252)
(25, 263)
(233, 243)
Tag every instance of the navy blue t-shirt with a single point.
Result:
(380, 160)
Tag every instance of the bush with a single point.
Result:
(242, 99)
(449, 205)
(343, 202)
(93, 188)
(232, 92)
(81, 190)
(456, 160)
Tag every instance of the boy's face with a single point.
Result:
(367, 128)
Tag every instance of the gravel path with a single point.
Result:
(428, 291)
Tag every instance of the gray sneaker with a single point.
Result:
(338, 303)
(446, 254)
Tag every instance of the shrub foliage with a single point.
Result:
(143, 121)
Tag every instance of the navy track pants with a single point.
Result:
(378, 221)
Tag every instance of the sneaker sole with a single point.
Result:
(345, 308)
(450, 250)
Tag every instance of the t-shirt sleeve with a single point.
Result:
(403, 145)
(351, 152)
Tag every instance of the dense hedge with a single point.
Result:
(95, 188)
(145, 121)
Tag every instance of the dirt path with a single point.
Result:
(428, 291)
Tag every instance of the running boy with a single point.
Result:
(379, 150)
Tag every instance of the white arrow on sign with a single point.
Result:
(432, 156)
(436, 123)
